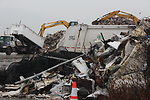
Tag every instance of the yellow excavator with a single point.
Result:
(116, 13)
(52, 24)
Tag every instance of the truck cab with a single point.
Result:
(7, 44)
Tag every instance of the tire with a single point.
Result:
(8, 51)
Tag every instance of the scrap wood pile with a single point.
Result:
(112, 69)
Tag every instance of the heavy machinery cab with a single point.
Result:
(72, 23)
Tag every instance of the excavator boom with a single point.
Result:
(135, 19)
(52, 24)
(109, 15)
(116, 13)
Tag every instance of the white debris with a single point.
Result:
(99, 92)
(81, 66)
(114, 44)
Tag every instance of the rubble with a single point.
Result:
(116, 20)
(118, 65)
(52, 40)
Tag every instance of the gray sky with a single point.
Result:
(33, 13)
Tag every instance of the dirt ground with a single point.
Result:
(6, 60)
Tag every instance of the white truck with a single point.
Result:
(78, 38)
(7, 44)
(30, 41)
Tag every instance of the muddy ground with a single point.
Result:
(6, 60)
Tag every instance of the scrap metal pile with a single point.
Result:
(108, 66)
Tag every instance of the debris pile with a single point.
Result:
(111, 66)
(52, 40)
(115, 20)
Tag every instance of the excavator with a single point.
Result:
(52, 24)
(116, 13)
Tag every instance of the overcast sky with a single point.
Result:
(33, 13)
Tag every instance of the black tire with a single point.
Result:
(8, 51)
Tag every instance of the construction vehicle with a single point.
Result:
(52, 24)
(7, 44)
(30, 41)
(79, 38)
(116, 13)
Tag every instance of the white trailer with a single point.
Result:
(21, 29)
(78, 38)
(30, 40)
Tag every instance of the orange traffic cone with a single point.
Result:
(73, 95)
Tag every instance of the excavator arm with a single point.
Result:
(135, 19)
(52, 24)
(109, 15)
(116, 13)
